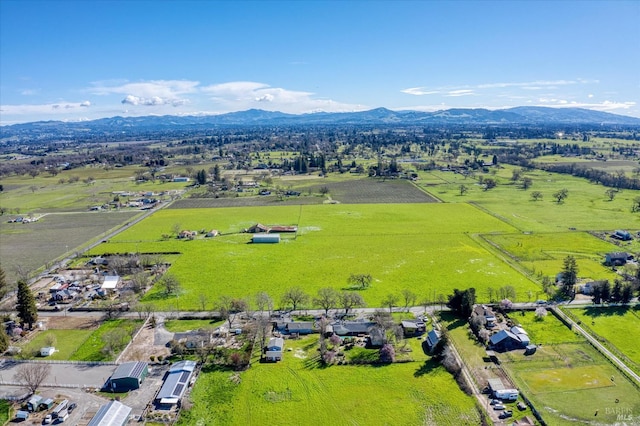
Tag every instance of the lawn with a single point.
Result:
(91, 349)
(178, 326)
(548, 331)
(425, 247)
(66, 342)
(566, 379)
(5, 409)
(296, 390)
(616, 325)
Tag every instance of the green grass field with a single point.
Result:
(425, 247)
(177, 326)
(296, 391)
(91, 349)
(616, 325)
(566, 369)
(66, 342)
(5, 409)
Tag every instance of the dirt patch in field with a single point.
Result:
(71, 323)
(377, 191)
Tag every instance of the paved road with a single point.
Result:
(65, 374)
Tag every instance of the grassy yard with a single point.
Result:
(5, 410)
(92, 348)
(177, 326)
(616, 325)
(297, 390)
(548, 331)
(424, 247)
(66, 342)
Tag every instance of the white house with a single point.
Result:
(274, 349)
(110, 282)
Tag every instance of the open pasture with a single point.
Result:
(566, 379)
(545, 252)
(296, 390)
(586, 208)
(615, 324)
(423, 247)
(66, 342)
(92, 348)
(566, 369)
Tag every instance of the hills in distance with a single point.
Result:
(378, 116)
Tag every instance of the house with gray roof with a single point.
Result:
(176, 383)
(113, 413)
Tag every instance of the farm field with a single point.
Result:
(586, 207)
(544, 252)
(425, 247)
(616, 325)
(295, 389)
(566, 369)
(52, 236)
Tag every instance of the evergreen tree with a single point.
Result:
(606, 291)
(4, 340)
(616, 292)
(569, 274)
(26, 306)
(627, 294)
(4, 288)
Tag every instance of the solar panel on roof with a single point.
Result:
(178, 390)
(185, 376)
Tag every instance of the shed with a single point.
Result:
(495, 384)
(265, 238)
(432, 339)
(34, 403)
(530, 349)
(622, 235)
(175, 383)
(412, 328)
(48, 350)
(46, 404)
(110, 282)
(22, 415)
(128, 376)
(113, 413)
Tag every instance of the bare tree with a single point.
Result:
(350, 300)
(327, 299)
(390, 301)
(229, 308)
(170, 284)
(32, 375)
(294, 296)
(203, 299)
(264, 302)
(361, 281)
(409, 298)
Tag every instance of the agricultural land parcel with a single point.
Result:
(424, 247)
(296, 390)
(564, 369)
(619, 326)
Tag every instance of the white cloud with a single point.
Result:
(601, 106)
(29, 92)
(44, 109)
(460, 92)
(85, 104)
(153, 101)
(240, 95)
(529, 85)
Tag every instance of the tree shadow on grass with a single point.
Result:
(594, 312)
(426, 368)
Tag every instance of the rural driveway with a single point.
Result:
(62, 374)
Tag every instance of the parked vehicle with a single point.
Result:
(47, 419)
(71, 407)
(506, 414)
(499, 407)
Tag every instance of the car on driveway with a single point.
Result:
(506, 414)
(499, 407)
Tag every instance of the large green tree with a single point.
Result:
(4, 340)
(26, 307)
(569, 274)
(461, 302)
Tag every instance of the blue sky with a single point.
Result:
(81, 59)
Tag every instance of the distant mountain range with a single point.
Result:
(378, 116)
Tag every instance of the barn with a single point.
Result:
(128, 376)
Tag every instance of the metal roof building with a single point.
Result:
(176, 382)
(112, 414)
(128, 376)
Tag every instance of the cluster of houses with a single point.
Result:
(370, 331)
(505, 338)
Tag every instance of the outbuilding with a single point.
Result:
(110, 282)
(128, 376)
(48, 350)
(265, 238)
(616, 258)
(274, 349)
(113, 413)
(175, 383)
